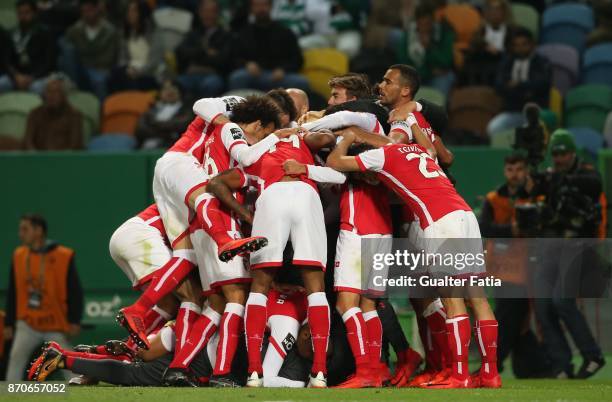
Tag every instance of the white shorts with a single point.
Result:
(290, 210)
(456, 233)
(139, 250)
(176, 176)
(213, 272)
(349, 275)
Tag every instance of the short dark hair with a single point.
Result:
(357, 85)
(91, 2)
(284, 102)
(515, 158)
(256, 108)
(522, 32)
(410, 76)
(36, 220)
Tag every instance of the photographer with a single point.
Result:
(504, 224)
(572, 189)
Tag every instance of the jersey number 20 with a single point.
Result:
(423, 158)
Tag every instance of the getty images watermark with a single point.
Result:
(505, 268)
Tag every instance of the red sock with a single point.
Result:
(201, 331)
(187, 315)
(459, 333)
(229, 335)
(319, 321)
(432, 355)
(155, 319)
(436, 321)
(357, 335)
(375, 333)
(214, 219)
(165, 280)
(68, 362)
(486, 331)
(256, 315)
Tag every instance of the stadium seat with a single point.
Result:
(432, 95)
(171, 26)
(122, 110)
(503, 139)
(89, 105)
(607, 132)
(112, 142)
(588, 139)
(565, 63)
(567, 23)
(526, 16)
(597, 65)
(8, 18)
(588, 106)
(471, 109)
(14, 110)
(10, 144)
(465, 21)
(322, 64)
(244, 92)
(556, 103)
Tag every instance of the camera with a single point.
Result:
(531, 137)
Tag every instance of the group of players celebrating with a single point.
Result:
(267, 291)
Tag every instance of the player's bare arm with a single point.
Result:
(445, 156)
(223, 185)
(417, 134)
(321, 174)
(319, 140)
(339, 160)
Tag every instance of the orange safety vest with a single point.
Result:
(52, 315)
(506, 260)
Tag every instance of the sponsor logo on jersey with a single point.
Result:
(288, 343)
(237, 133)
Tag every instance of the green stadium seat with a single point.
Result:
(588, 106)
(8, 5)
(89, 105)
(8, 18)
(503, 139)
(526, 16)
(432, 95)
(14, 110)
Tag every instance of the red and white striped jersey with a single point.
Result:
(292, 305)
(418, 180)
(150, 216)
(218, 148)
(192, 140)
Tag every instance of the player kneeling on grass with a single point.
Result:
(412, 173)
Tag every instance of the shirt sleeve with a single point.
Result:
(247, 155)
(209, 108)
(323, 174)
(345, 118)
(373, 160)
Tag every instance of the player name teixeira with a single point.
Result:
(427, 281)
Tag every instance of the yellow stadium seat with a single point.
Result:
(556, 103)
(322, 64)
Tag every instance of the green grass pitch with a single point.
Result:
(513, 391)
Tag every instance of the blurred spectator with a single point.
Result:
(91, 48)
(31, 55)
(603, 29)
(135, 67)
(44, 300)
(55, 125)
(522, 76)
(323, 23)
(488, 44)
(386, 22)
(428, 46)
(164, 122)
(58, 15)
(204, 54)
(266, 53)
